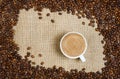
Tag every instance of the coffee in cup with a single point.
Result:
(73, 45)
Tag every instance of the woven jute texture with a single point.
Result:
(44, 37)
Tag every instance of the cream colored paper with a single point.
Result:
(44, 37)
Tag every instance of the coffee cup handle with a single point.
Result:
(82, 58)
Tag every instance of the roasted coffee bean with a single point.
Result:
(52, 21)
(79, 17)
(33, 63)
(102, 42)
(32, 56)
(83, 23)
(59, 13)
(39, 14)
(42, 63)
(40, 17)
(28, 54)
(40, 55)
(48, 14)
(105, 13)
(28, 48)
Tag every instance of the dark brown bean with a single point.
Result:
(28, 48)
(39, 14)
(32, 56)
(40, 17)
(40, 55)
(33, 63)
(106, 13)
(42, 63)
(83, 23)
(48, 14)
(52, 21)
(79, 17)
(59, 13)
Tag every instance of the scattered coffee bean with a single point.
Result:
(83, 23)
(28, 54)
(40, 17)
(33, 63)
(42, 63)
(39, 14)
(40, 55)
(28, 48)
(32, 56)
(59, 13)
(102, 42)
(79, 17)
(52, 21)
(83, 69)
(48, 14)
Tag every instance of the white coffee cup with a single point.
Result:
(81, 56)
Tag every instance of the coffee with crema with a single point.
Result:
(73, 45)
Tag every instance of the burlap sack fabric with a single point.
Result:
(44, 37)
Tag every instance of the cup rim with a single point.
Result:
(68, 55)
